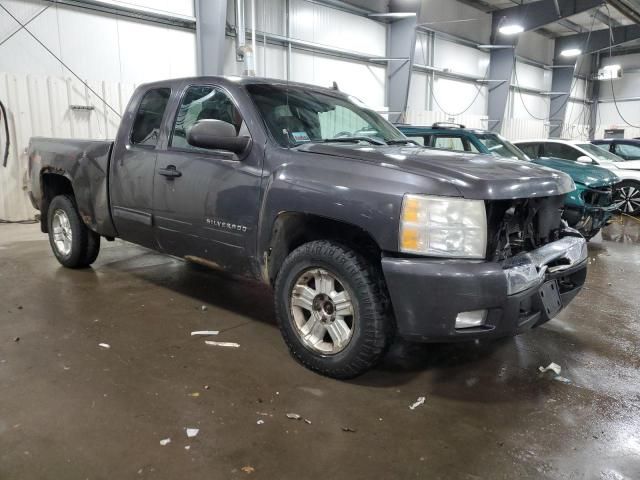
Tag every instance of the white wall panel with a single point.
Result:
(96, 46)
(21, 53)
(273, 65)
(523, 129)
(418, 92)
(365, 82)
(455, 98)
(460, 58)
(270, 15)
(327, 26)
(627, 86)
(533, 77)
(181, 7)
(528, 106)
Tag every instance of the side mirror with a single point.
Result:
(216, 135)
(586, 160)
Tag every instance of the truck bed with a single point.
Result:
(85, 164)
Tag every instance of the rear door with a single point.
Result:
(208, 208)
(133, 166)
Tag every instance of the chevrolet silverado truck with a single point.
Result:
(363, 235)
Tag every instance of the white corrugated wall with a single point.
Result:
(39, 105)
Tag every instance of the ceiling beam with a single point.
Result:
(606, 19)
(543, 12)
(598, 40)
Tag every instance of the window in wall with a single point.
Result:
(204, 102)
(560, 150)
(628, 152)
(146, 125)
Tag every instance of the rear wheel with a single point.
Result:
(627, 197)
(332, 309)
(73, 244)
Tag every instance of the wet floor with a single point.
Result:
(70, 409)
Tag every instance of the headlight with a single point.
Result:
(443, 227)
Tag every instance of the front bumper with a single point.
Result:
(428, 294)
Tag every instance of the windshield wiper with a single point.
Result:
(373, 141)
(402, 142)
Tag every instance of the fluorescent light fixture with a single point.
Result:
(511, 29)
(392, 15)
(571, 52)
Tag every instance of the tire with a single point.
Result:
(73, 244)
(331, 271)
(627, 193)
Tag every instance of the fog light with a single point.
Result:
(471, 319)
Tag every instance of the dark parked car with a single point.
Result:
(627, 149)
(588, 208)
(362, 234)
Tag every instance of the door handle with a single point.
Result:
(170, 171)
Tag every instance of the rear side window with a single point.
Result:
(451, 142)
(628, 152)
(419, 140)
(560, 150)
(530, 149)
(146, 125)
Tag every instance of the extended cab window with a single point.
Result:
(146, 126)
(203, 102)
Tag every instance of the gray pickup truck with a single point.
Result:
(363, 235)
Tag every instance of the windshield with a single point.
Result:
(599, 153)
(296, 115)
(500, 147)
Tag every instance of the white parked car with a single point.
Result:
(627, 192)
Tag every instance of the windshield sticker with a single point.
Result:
(300, 136)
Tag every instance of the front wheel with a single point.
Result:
(627, 197)
(73, 244)
(332, 309)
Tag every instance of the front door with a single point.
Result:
(206, 201)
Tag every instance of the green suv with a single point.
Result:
(588, 208)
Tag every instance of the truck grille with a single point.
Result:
(522, 225)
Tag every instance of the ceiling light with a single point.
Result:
(571, 52)
(512, 29)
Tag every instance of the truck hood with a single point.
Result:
(587, 175)
(481, 177)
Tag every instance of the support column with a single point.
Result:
(401, 48)
(595, 95)
(211, 19)
(501, 65)
(561, 91)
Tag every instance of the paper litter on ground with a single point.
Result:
(104, 345)
(222, 344)
(554, 367)
(192, 432)
(165, 441)
(417, 403)
(205, 332)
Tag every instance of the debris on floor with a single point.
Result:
(260, 422)
(205, 332)
(222, 344)
(187, 447)
(192, 432)
(420, 401)
(165, 441)
(348, 429)
(248, 469)
(104, 345)
(558, 378)
(307, 421)
(194, 394)
(203, 308)
(554, 367)
(293, 416)
(17, 339)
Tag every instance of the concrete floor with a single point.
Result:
(72, 410)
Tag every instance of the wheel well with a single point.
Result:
(291, 230)
(52, 186)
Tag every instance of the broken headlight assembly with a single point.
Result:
(443, 227)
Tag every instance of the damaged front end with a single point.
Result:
(588, 209)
